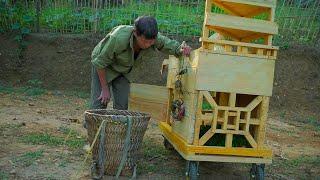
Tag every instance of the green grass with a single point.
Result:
(51, 140)
(4, 175)
(28, 158)
(314, 122)
(295, 163)
(32, 88)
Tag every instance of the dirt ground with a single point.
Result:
(41, 133)
(30, 126)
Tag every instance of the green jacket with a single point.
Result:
(115, 52)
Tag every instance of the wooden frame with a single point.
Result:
(240, 26)
(209, 153)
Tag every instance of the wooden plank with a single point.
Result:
(173, 68)
(247, 152)
(198, 120)
(232, 100)
(150, 99)
(229, 140)
(225, 120)
(247, 117)
(243, 55)
(227, 159)
(208, 6)
(254, 103)
(226, 8)
(209, 98)
(232, 108)
(221, 131)
(237, 121)
(206, 137)
(263, 113)
(214, 120)
(169, 102)
(241, 23)
(259, 3)
(246, 9)
(234, 43)
(235, 74)
(251, 140)
(185, 128)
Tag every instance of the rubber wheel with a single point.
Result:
(167, 144)
(193, 167)
(257, 172)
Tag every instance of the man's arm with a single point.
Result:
(105, 93)
(103, 56)
(172, 47)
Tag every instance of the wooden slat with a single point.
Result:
(237, 120)
(248, 115)
(227, 159)
(221, 131)
(263, 113)
(254, 103)
(232, 100)
(198, 120)
(209, 98)
(255, 3)
(229, 140)
(234, 43)
(241, 23)
(206, 137)
(251, 140)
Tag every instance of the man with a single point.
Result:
(120, 51)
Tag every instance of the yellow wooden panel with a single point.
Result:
(149, 99)
(185, 127)
(225, 73)
(241, 23)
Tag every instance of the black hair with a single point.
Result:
(146, 26)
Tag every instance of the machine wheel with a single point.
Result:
(167, 144)
(192, 171)
(257, 172)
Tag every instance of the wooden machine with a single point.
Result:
(215, 105)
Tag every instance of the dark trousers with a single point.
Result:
(120, 91)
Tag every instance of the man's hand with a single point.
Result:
(185, 49)
(104, 96)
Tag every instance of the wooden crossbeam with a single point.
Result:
(251, 140)
(226, 8)
(241, 23)
(237, 120)
(265, 3)
(198, 120)
(206, 137)
(248, 115)
(233, 43)
(254, 103)
(209, 98)
(228, 143)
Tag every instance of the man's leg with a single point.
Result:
(120, 89)
(95, 90)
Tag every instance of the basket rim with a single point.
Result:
(141, 114)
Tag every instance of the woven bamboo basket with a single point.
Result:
(115, 134)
